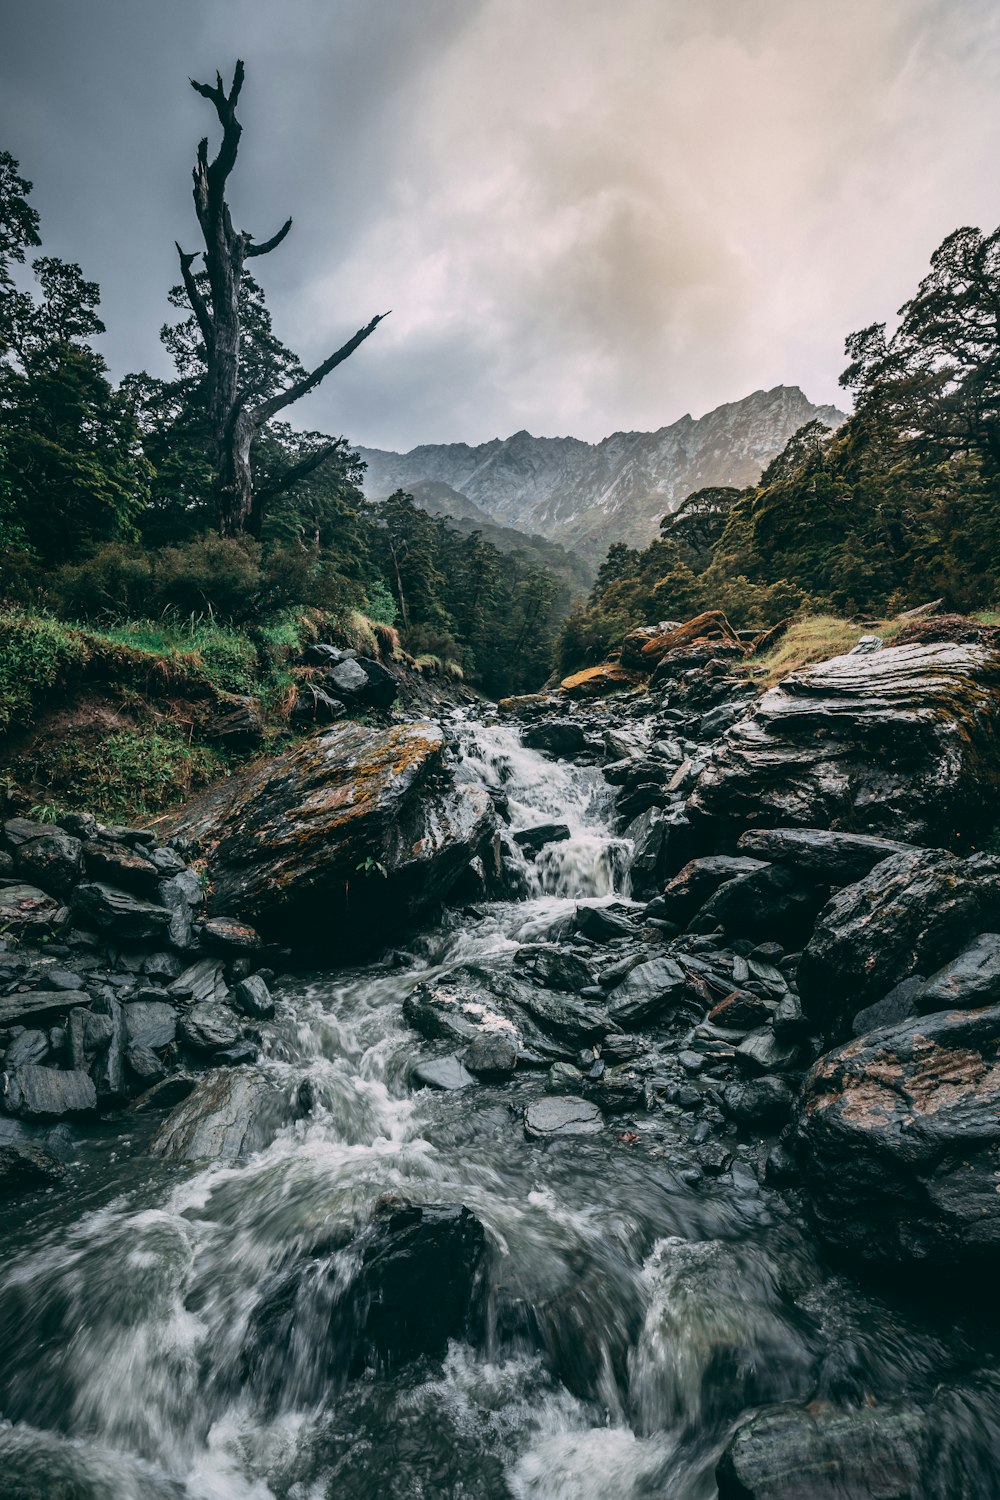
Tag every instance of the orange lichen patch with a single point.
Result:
(945, 1075)
(594, 682)
(868, 1103)
(710, 626)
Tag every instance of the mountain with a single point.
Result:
(587, 495)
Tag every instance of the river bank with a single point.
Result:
(594, 1135)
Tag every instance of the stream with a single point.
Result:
(635, 1309)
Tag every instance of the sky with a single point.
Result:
(585, 215)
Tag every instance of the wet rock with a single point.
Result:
(315, 706)
(557, 736)
(571, 1021)
(598, 682)
(25, 1006)
(182, 896)
(208, 1027)
(619, 1091)
(144, 1063)
(966, 982)
(445, 1073)
(225, 935)
(492, 1055)
(899, 1139)
(253, 998)
(763, 1052)
(417, 1286)
(771, 900)
(128, 918)
(53, 860)
(172, 1090)
(230, 1113)
(27, 1165)
(821, 1453)
(699, 879)
(647, 992)
(150, 1023)
(342, 840)
(912, 913)
(449, 1012)
(902, 744)
(203, 983)
(237, 722)
(531, 840)
(741, 1010)
(122, 865)
(35, 1093)
(557, 968)
(27, 912)
(763, 1103)
(603, 924)
(825, 856)
(27, 1047)
(564, 1078)
(561, 1115)
(898, 1005)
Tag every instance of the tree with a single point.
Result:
(236, 417)
(936, 379)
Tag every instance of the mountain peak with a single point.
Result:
(587, 495)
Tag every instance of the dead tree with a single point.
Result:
(235, 423)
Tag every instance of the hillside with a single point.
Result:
(586, 495)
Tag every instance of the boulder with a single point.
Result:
(603, 924)
(26, 911)
(533, 839)
(53, 860)
(772, 902)
(598, 682)
(126, 918)
(445, 1073)
(253, 998)
(700, 878)
(902, 743)
(24, 1006)
(822, 854)
(202, 983)
(912, 913)
(224, 935)
(967, 982)
(822, 1453)
(122, 865)
(150, 1023)
(899, 1138)
(449, 1012)
(25, 1165)
(209, 1027)
(556, 736)
(35, 1093)
(344, 839)
(27, 1047)
(561, 1115)
(555, 967)
(363, 681)
(491, 1055)
(648, 991)
(230, 1113)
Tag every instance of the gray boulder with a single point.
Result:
(790, 1453)
(229, 1114)
(35, 1093)
(561, 1115)
(126, 918)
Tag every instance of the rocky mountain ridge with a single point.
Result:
(586, 495)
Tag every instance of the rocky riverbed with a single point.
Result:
(581, 1099)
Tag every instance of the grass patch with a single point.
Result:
(135, 770)
(816, 638)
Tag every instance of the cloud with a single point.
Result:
(584, 216)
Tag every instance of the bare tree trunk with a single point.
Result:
(235, 425)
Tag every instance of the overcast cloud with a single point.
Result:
(585, 214)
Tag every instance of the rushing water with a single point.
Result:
(667, 1306)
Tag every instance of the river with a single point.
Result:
(635, 1309)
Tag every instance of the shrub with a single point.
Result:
(37, 655)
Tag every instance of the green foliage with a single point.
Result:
(137, 769)
(37, 655)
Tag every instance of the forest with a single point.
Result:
(900, 506)
(111, 511)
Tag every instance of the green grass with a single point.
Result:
(815, 638)
(133, 771)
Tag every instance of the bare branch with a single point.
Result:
(197, 301)
(267, 409)
(268, 245)
(299, 471)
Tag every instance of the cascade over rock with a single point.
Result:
(344, 838)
